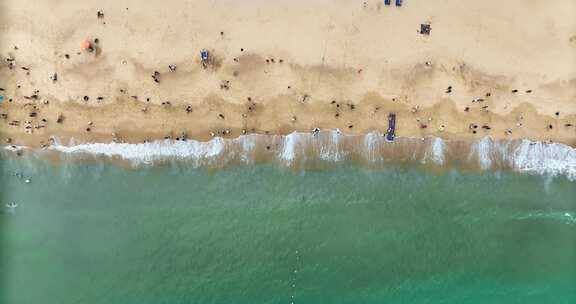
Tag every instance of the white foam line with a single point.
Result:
(372, 144)
(523, 156)
(330, 147)
(148, 152)
(438, 147)
(248, 144)
(566, 217)
(288, 150)
(483, 150)
(15, 148)
(544, 158)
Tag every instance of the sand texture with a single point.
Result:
(283, 66)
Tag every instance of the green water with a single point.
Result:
(101, 234)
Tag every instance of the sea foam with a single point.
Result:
(333, 146)
(543, 158)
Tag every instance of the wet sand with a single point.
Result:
(287, 66)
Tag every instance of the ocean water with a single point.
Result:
(262, 232)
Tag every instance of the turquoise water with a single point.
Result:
(97, 233)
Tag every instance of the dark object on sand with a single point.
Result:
(391, 127)
(156, 76)
(60, 119)
(204, 58)
(425, 29)
(225, 85)
(387, 2)
(398, 2)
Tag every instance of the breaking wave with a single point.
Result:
(306, 149)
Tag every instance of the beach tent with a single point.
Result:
(390, 134)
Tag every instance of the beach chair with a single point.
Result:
(204, 54)
(390, 134)
(398, 2)
(204, 58)
(387, 2)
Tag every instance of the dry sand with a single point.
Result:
(358, 59)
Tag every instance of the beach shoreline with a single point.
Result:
(324, 150)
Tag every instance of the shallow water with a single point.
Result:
(97, 233)
(327, 148)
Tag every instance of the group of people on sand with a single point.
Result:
(35, 121)
(474, 127)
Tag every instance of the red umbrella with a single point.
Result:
(86, 45)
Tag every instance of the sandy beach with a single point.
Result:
(504, 69)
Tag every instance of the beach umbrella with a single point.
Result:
(86, 45)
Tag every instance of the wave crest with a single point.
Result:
(332, 146)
